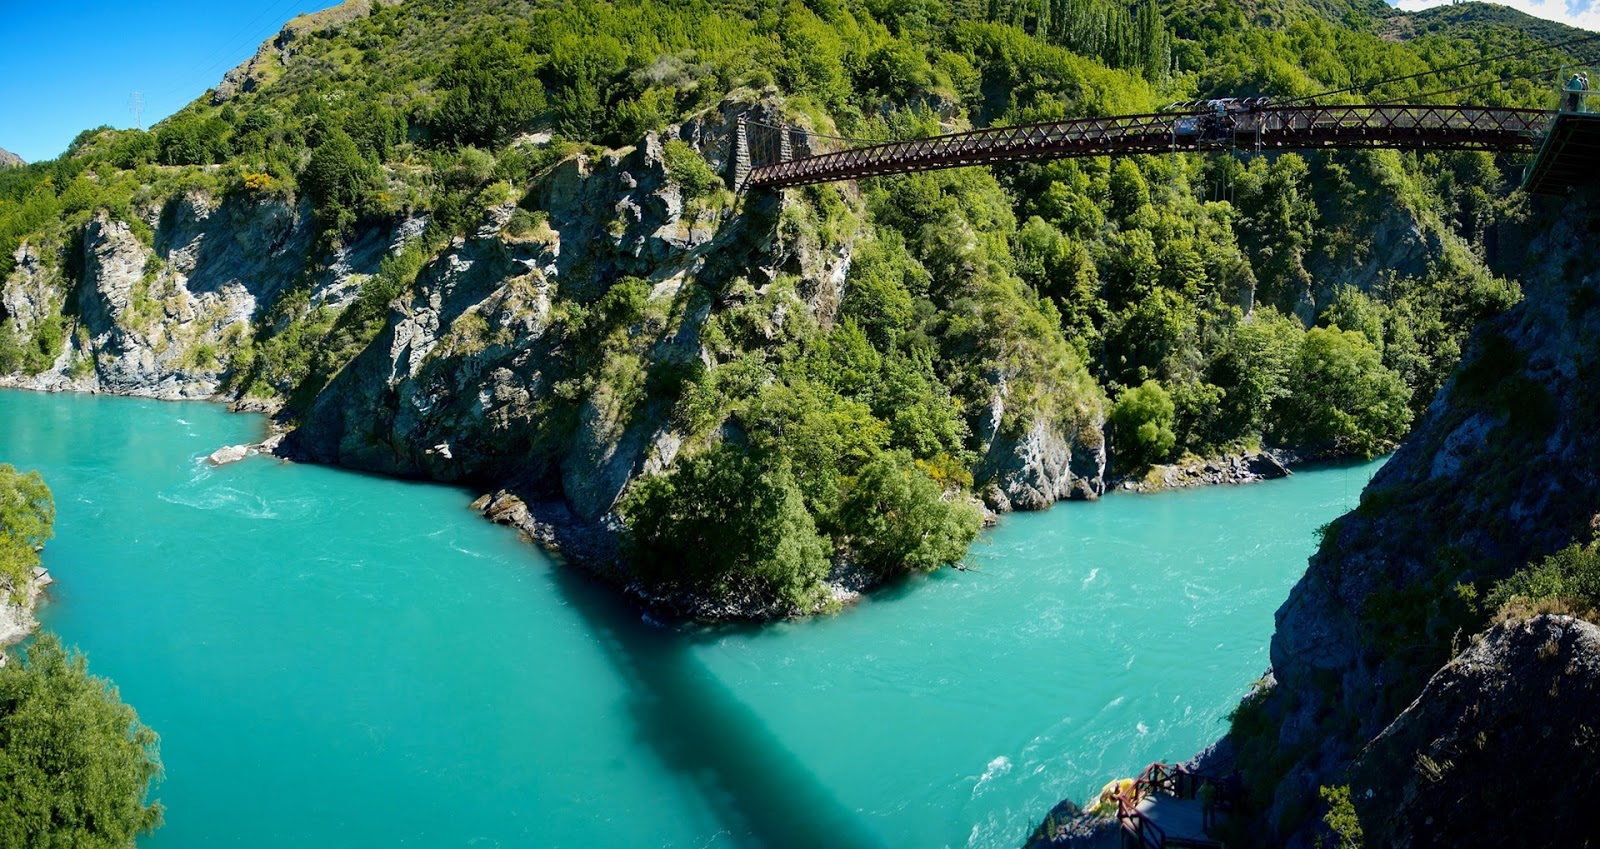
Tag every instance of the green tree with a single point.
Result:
(1343, 399)
(1252, 366)
(1141, 425)
(725, 522)
(492, 91)
(189, 139)
(27, 516)
(895, 518)
(689, 169)
(76, 765)
(340, 179)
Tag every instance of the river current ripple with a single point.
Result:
(335, 659)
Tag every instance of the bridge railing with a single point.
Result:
(1306, 126)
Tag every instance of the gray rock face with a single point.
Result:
(1499, 473)
(1047, 462)
(1045, 465)
(17, 620)
(10, 160)
(1497, 751)
(1249, 467)
(464, 381)
(165, 320)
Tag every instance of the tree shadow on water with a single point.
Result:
(764, 795)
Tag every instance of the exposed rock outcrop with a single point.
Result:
(1498, 750)
(1048, 461)
(10, 160)
(1501, 472)
(17, 620)
(467, 380)
(1046, 464)
(1249, 467)
(164, 320)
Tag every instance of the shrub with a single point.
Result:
(340, 179)
(895, 518)
(726, 522)
(77, 762)
(491, 93)
(26, 514)
(1565, 582)
(689, 170)
(1343, 399)
(1141, 425)
(189, 139)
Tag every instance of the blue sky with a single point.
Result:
(69, 66)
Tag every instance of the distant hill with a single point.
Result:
(9, 159)
(1477, 21)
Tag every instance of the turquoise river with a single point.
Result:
(339, 660)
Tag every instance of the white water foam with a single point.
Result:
(996, 768)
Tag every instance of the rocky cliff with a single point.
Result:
(9, 159)
(17, 619)
(498, 366)
(165, 318)
(1500, 473)
(1497, 751)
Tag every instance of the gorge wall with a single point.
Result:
(1500, 473)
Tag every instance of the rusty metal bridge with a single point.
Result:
(774, 157)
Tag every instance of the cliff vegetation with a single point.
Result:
(496, 242)
(76, 763)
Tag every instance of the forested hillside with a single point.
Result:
(494, 241)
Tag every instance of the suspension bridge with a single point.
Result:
(771, 156)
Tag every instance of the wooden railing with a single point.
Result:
(1173, 780)
(1144, 831)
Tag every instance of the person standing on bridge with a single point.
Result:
(1574, 91)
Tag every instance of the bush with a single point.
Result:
(1140, 425)
(340, 179)
(189, 139)
(689, 170)
(1343, 399)
(26, 514)
(492, 91)
(78, 764)
(725, 522)
(1567, 581)
(896, 520)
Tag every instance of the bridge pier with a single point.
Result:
(741, 154)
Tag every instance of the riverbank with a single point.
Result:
(18, 621)
(1233, 468)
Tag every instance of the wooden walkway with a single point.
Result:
(1182, 821)
(1169, 806)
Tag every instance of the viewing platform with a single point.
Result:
(1568, 156)
(1168, 806)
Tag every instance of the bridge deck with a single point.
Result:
(1570, 155)
(1271, 128)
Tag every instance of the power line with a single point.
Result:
(220, 58)
(1366, 87)
(136, 106)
